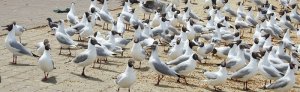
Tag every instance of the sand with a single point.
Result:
(27, 77)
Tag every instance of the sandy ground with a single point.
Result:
(26, 76)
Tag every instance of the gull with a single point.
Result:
(287, 41)
(120, 25)
(188, 13)
(102, 53)
(232, 52)
(248, 71)
(41, 46)
(255, 47)
(146, 33)
(240, 11)
(267, 70)
(240, 23)
(285, 23)
(196, 27)
(134, 20)
(250, 19)
(257, 33)
(281, 54)
(46, 63)
(126, 16)
(158, 66)
(87, 30)
(228, 38)
(187, 53)
(191, 34)
(109, 44)
(155, 20)
(63, 38)
(71, 16)
(260, 16)
(127, 78)
(186, 67)
(118, 40)
(216, 78)
(237, 62)
(77, 29)
(176, 50)
(148, 7)
(137, 52)
(94, 5)
(273, 58)
(87, 57)
(285, 83)
(221, 52)
(294, 16)
(105, 15)
(203, 50)
(268, 43)
(15, 47)
(270, 10)
(229, 11)
(143, 36)
(94, 16)
(52, 24)
(157, 31)
(18, 30)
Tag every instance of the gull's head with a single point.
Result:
(292, 66)
(255, 55)
(46, 41)
(47, 47)
(195, 57)
(223, 64)
(93, 41)
(178, 41)
(256, 40)
(136, 40)
(93, 10)
(201, 44)
(154, 44)
(9, 27)
(214, 52)
(130, 62)
(184, 29)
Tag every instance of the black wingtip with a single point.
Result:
(178, 75)
(34, 55)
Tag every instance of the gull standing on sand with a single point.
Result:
(41, 46)
(216, 78)
(248, 71)
(105, 15)
(14, 46)
(186, 67)
(71, 16)
(127, 78)
(63, 38)
(286, 82)
(159, 66)
(45, 62)
(267, 70)
(137, 52)
(87, 57)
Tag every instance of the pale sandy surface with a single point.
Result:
(26, 76)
